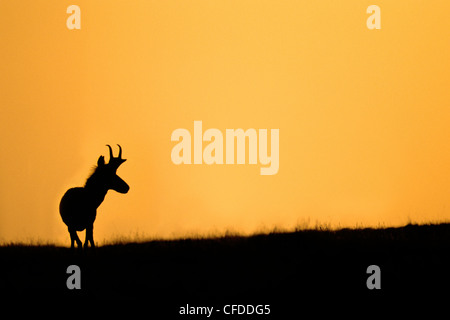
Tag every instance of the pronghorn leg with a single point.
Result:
(89, 236)
(74, 238)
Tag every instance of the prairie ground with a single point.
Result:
(283, 270)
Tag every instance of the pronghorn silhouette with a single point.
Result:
(78, 206)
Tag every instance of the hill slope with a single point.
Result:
(261, 269)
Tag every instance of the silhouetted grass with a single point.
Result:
(263, 268)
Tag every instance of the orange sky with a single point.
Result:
(363, 114)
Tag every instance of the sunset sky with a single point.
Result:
(363, 115)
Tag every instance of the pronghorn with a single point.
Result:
(78, 206)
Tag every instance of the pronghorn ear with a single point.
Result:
(101, 161)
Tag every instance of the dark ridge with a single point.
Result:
(275, 268)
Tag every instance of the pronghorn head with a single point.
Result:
(106, 173)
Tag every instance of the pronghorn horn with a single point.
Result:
(110, 152)
(120, 151)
